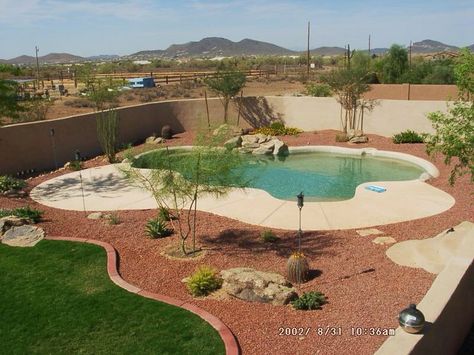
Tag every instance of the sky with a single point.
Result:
(93, 27)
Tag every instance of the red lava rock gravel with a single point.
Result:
(338, 259)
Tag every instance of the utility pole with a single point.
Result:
(308, 50)
(370, 56)
(37, 67)
(409, 57)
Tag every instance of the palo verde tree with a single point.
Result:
(178, 178)
(395, 64)
(226, 83)
(454, 136)
(349, 85)
(104, 94)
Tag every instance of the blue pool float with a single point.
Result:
(375, 188)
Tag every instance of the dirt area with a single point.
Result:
(364, 288)
(71, 105)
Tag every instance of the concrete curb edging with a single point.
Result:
(230, 341)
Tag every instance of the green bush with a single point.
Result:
(268, 236)
(27, 213)
(164, 214)
(204, 281)
(156, 228)
(408, 137)
(309, 300)
(278, 129)
(10, 183)
(318, 90)
(114, 218)
(75, 165)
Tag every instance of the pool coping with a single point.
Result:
(229, 339)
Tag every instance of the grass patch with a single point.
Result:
(57, 299)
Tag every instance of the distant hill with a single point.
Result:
(217, 47)
(430, 46)
(103, 57)
(51, 58)
(221, 47)
(327, 51)
(471, 47)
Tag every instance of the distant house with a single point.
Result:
(141, 82)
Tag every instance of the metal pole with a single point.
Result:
(37, 66)
(299, 233)
(308, 51)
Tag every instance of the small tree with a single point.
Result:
(454, 135)
(349, 85)
(226, 84)
(104, 95)
(179, 180)
(395, 64)
(9, 106)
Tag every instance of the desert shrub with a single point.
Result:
(278, 129)
(114, 218)
(79, 103)
(268, 236)
(204, 281)
(408, 137)
(166, 132)
(156, 228)
(27, 213)
(164, 214)
(75, 165)
(318, 90)
(309, 300)
(10, 183)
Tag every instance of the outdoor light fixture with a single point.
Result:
(53, 145)
(300, 203)
(77, 156)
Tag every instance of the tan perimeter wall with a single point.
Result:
(30, 145)
(412, 92)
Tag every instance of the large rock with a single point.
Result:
(249, 139)
(10, 221)
(264, 148)
(154, 140)
(360, 139)
(233, 143)
(257, 286)
(280, 148)
(23, 236)
(95, 215)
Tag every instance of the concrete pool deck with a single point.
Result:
(106, 189)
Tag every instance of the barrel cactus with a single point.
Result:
(166, 132)
(297, 268)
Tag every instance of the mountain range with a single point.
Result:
(212, 47)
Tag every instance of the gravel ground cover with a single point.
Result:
(364, 288)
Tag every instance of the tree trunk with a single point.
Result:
(226, 108)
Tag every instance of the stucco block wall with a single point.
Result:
(412, 92)
(30, 145)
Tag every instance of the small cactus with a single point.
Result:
(166, 132)
(297, 268)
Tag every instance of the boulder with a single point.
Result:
(10, 221)
(280, 148)
(264, 148)
(23, 236)
(249, 139)
(262, 138)
(360, 139)
(15, 193)
(95, 215)
(154, 140)
(233, 143)
(257, 286)
(384, 240)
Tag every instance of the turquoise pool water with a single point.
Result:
(321, 176)
(324, 176)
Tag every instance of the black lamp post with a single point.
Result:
(77, 156)
(300, 203)
(53, 144)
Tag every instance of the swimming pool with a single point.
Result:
(321, 175)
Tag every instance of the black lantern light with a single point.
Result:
(300, 203)
(411, 319)
(77, 156)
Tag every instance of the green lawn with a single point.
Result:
(57, 298)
